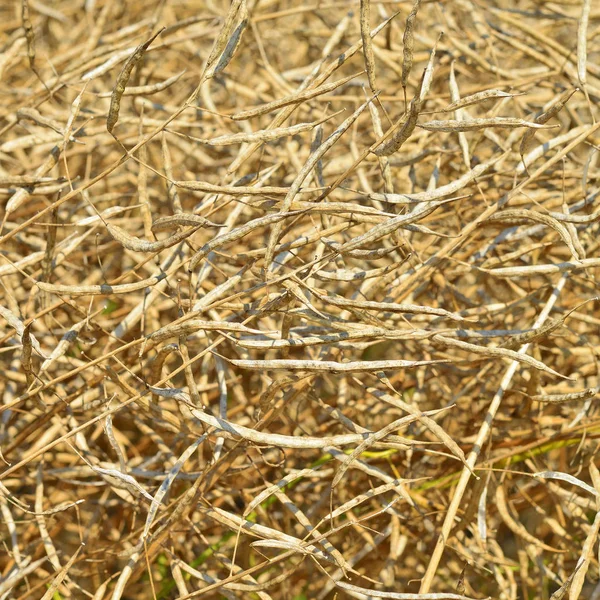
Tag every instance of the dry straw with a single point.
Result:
(302, 331)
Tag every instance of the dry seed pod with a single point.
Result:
(99, 290)
(516, 215)
(383, 161)
(195, 325)
(499, 352)
(32, 114)
(29, 38)
(428, 73)
(293, 99)
(582, 44)
(156, 364)
(388, 227)
(568, 397)
(232, 190)
(327, 366)
(147, 90)
(545, 269)
(18, 326)
(182, 219)
(459, 114)
(237, 234)
(408, 41)
(476, 99)
(344, 337)
(137, 245)
(233, 44)
(226, 31)
(122, 80)
(395, 142)
(172, 192)
(364, 254)
(26, 180)
(63, 345)
(444, 190)
(21, 195)
(388, 307)
(355, 274)
(265, 135)
(365, 32)
(478, 124)
(26, 354)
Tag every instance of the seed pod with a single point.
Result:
(293, 99)
(408, 41)
(182, 219)
(365, 32)
(478, 124)
(122, 80)
(137, 245)
(395, 142)
(26, 355)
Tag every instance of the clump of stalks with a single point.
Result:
(299, 300)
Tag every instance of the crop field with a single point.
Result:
(298, 300)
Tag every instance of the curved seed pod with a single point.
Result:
(182, 219)
(147, 90)
(395, 142)
(408, 41)
(67, 339)
(189, 327)
(237, 234)
(293, 99)
(444, 190)
(476, 99)
(265, 135)
(355, 274)
(31, 114)
(516, 527)
(391, 307)
(99, 290)
(122, 79)
(158, 361)
(137, 245)
(238, 6)
(388, 227)
(516, 215)
(499, 352)
(30, 39)
(233, 44)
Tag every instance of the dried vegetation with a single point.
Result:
(299, 300)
